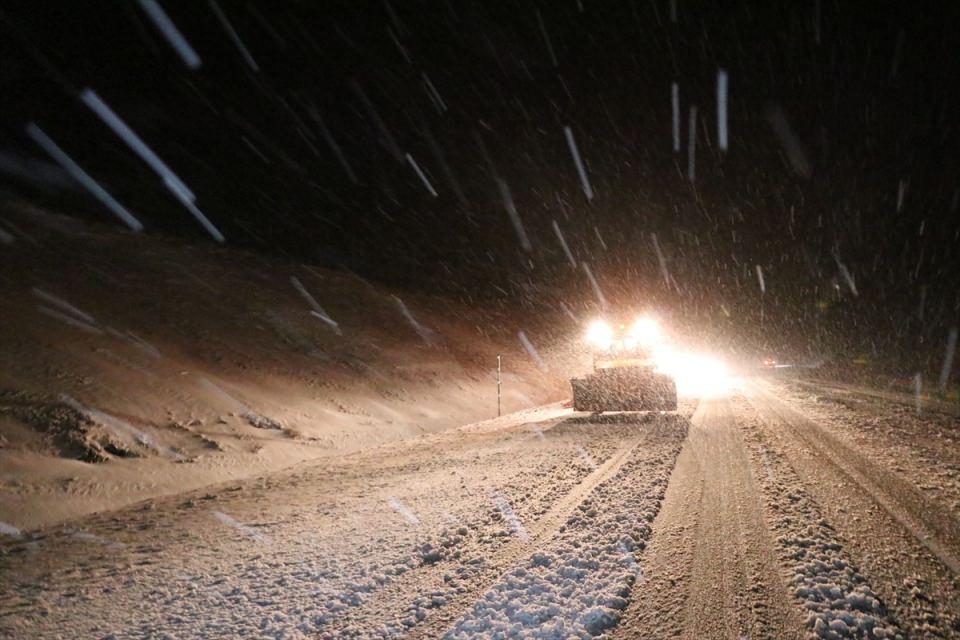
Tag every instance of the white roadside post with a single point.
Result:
(498, 385)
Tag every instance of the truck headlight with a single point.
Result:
(599, 334)
(645, 331)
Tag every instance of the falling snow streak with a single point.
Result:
(448, 173)
(315, 309)
(673, 11)
(763, 285)
(67, 320)
(81, 176)
(432, 92)
(948, 358)
(63, 305)
(587, 189)
(692, 144)
(546, 39)
(136, 341)
(675, 106)
(528, 347)
(661, 259)
(596, 232)
(248, 531)
(487, 158)
(848, 278)
(169, 30)
(330, 321)
(269, 28)
(332, 143)
(222, 17)
(119, 427)
(722, 139)
(508, 514)
(789, 141)
(90, 537)
(423, 177)
(403, 510)
(223, 396)
(400, 47)
(563, 243)
(918, 391)
(184, 198)
(424, 332)
(395, 19)
(386, 138)
(119, 127)
(12, 228)
(36, 171)
(514, 216)
(586, 457)
(596, 287)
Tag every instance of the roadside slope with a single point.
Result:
(134, 366)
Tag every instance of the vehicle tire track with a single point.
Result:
(899, 532)
(926, 520)
(521, 547)
(711, 568)
(926, 403)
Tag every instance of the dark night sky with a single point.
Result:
(869, 89)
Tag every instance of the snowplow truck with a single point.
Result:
(623, 379)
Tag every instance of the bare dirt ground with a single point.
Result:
(773, 512)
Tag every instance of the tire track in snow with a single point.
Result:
(907, 542)
(836, 599)
(927, 403)
(710, 565)
(538, 534)
(927, 521)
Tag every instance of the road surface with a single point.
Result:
(783, 510)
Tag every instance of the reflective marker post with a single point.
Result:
(498, 385)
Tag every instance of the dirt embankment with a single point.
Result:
(132, 366)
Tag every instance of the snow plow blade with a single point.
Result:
(624, 389)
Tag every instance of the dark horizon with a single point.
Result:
(838, 190)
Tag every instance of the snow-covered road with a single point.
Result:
(712, 562)
(782, 511)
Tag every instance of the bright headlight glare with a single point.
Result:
(599, 334)
(645, 331)
(695, 374)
